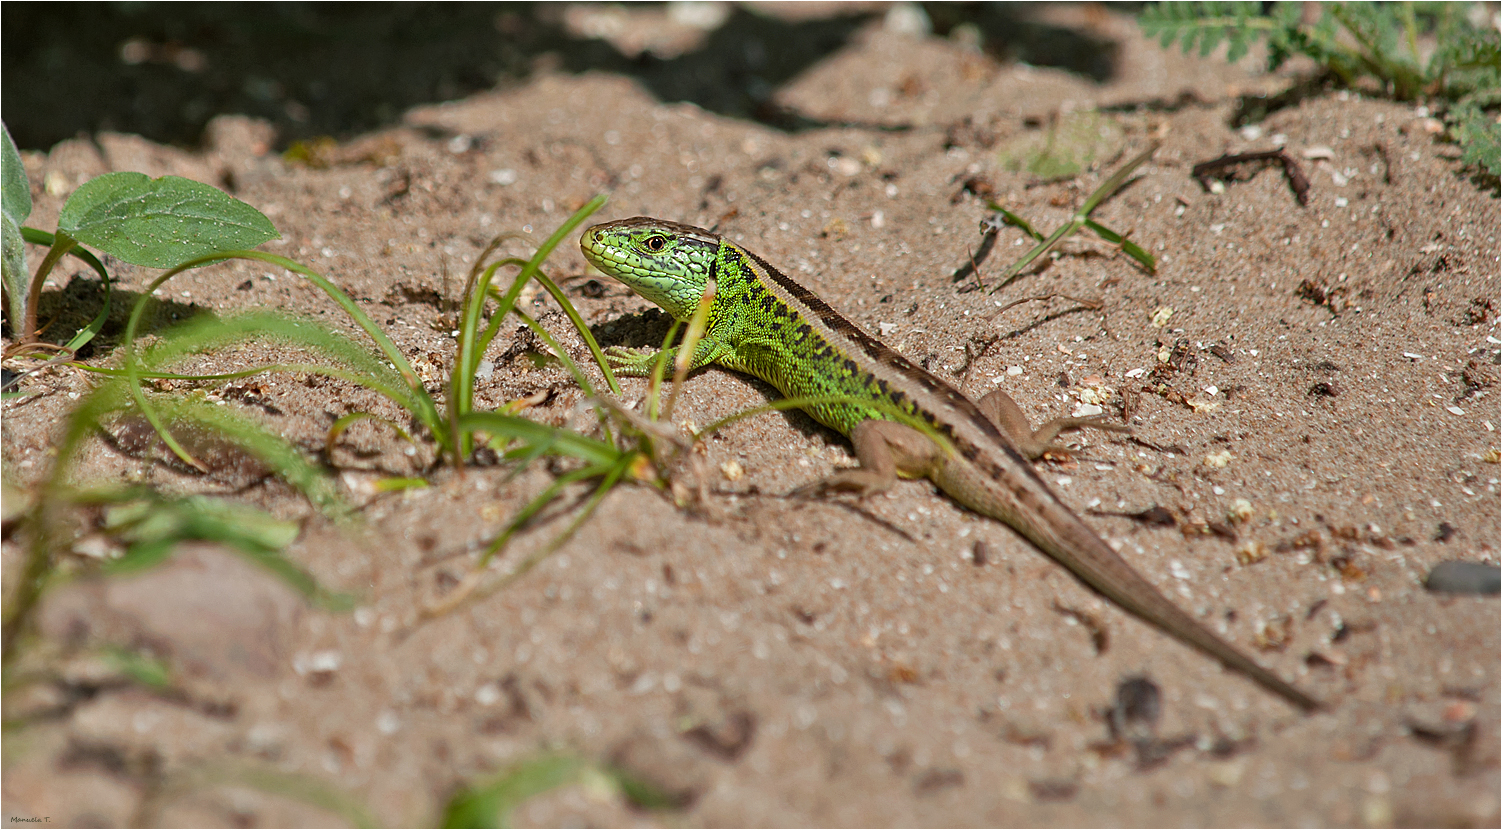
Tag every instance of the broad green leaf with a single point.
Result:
(13, 271)
(159, 223)
(13, 183)
(190, 516)
(17, 206)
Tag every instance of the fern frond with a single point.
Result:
(1207, 25)
(1479, 135)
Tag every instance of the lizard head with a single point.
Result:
(665, 262)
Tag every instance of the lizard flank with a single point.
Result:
(763, 323)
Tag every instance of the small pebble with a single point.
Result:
(1139, 703)
(1465, 578)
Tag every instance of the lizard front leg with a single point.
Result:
(1007, 416)
(634, 363)
(886, 450)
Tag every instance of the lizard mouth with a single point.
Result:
(601, 254)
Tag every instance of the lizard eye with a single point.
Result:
(655, 244)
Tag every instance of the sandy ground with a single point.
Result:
(777, 661)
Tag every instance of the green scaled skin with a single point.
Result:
(765, 324)
(750, 328)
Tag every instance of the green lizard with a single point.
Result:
(765, 324)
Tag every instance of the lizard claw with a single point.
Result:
(1040, 442)
(860, 481)
(630, 362)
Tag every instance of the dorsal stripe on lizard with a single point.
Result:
(884, 355)
(765, 324)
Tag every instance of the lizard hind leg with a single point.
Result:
(886, 450)
(1008, 417)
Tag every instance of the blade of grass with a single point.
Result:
(260, 443)
(608, 479)
(659, 370)
(643, 794)
(535, 506)
(352, 377)
(582, 328)
(151, 672)
(1080, 217)
(470, 589)
(425, 409)
(490, 804)
(568, 364)
(395, 484)
(159, 526)
(466, 588)
(691, 338)
(155, 516)
(155, 525)
(46, 527)
(344, 422)
(471, 348)
(474, 341)
(270, 449)
(1016, 221)
(563, 442)
(1127, 246)
(532, 267)
(281, 566)
(468, 352)
(205, 333)
(298, 787)
(504, 303)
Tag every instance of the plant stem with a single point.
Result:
(61, 244)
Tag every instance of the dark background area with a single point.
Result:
(162, 70)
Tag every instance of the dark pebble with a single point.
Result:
(1465, 578)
